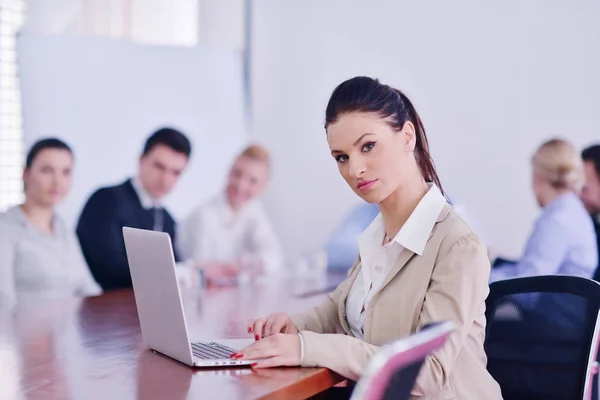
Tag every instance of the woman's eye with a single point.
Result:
(368, 146)
(342, 158)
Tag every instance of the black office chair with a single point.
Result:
(392, 372)
(542, 336)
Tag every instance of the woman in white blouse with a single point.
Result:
(231, 231)
(39, 255)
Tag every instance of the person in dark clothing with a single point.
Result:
(590, 194)
(134, 203)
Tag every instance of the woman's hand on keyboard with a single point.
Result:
(274, 351)
(271, 325)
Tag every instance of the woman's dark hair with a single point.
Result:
(43, 144)
(364, 94)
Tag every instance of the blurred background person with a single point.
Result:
(563, 240)
(231, 231)
(135, 203)
(39, 255)
(341, 249)
(590, 195)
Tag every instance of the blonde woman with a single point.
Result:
(563, 240)
(232, 229)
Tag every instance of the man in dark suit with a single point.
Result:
(135, 203)
(591, 191)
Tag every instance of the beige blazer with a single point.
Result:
(448, 282)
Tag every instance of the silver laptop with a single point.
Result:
(160, 310)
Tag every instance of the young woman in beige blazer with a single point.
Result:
(418, 263)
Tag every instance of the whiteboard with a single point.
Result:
(105, 96)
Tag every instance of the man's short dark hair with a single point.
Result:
(172, 138)
(592, 154)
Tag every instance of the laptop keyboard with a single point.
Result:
(211, 351)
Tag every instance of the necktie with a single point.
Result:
(158, 219)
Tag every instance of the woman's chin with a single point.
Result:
(50, 202)
(372, 196)
(238, 202)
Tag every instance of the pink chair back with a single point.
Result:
(392, 372)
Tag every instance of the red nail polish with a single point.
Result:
(256, 337)
(238, 356)
(249, 330)
(253, 365)
(234, 355)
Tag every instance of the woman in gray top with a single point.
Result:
(39, 256)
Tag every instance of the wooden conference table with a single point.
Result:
(92, 348)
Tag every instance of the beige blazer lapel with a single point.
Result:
(406, 255)
(403, 259)
(344, 296)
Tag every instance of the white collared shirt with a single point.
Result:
(148, 203)
(145, 199)
(377, 260)
(214, 232)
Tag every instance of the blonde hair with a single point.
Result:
(559, 162)
(258, 153)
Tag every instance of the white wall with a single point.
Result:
(491, 81)
(104, 97)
